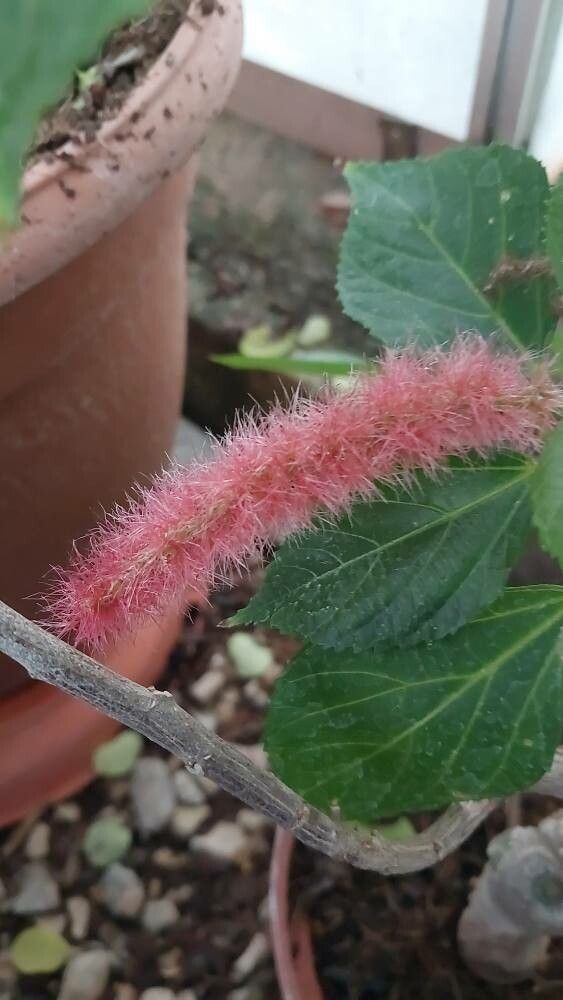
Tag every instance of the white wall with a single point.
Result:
(413, 59)
(547, 134)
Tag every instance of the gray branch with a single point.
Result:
(157, 716)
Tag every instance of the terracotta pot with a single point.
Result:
(92, 347)
(290, 934)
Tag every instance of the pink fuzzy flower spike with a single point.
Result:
(273, 474)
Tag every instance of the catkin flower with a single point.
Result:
(272, 474)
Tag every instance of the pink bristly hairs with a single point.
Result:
(273, 473)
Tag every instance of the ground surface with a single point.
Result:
(184, 908)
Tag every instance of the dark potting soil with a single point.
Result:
(379, 938)
(375, 938)
(123, 61)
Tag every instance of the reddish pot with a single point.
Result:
(291, 934)
(92, 346)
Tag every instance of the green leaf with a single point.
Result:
(38, 949)
(424, 237)
(107, 840)
(116, 757)
(554, 235)
(547, 495)
(42, 42)
(299, 363)
(413, 566)
(478, 714)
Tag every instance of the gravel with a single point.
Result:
(153, 795)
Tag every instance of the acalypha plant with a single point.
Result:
(392, 511)
(397, 506)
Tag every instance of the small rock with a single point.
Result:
(152, 793)
(249, 657)
(207, 719)
(217, 661)
(207, 687)
(106, 840)
(315, 330)
(255, 753)
(181, 893)
(251, 821)
(8, 977)
(118, 790)
(188, 790)
(165, 857)
(68, 812)
(255, 952)
(37, 890)
(208, 787)
(187, 819)
(37, 950)
(154, 888)
(159, 914)
(225, 841)
(55, 922)
(255, 693)
(86, 976)
(124, 991)
(170, 963)
(121, 890)
(37, 844)
(79, 912)
(157, 993)
(116, 757)
(227, 706)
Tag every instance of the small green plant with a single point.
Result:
(42, 43)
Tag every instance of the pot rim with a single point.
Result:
(87, 188)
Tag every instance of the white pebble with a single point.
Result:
(217, 661)
(208, 787)
(159, 914)
(38, 891)
(207, 719)
(152, 794)
(251, 821)
(187, 819)
(255, 753)
(121, 890)
(55, 922)
(68, 812)
(86, 976)
(188, 791)
(124, 991)
(255, 952)
(207, 687)
(225, 841)
(157, 993)
(79, 912)
(37, 844)
(255, 693)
